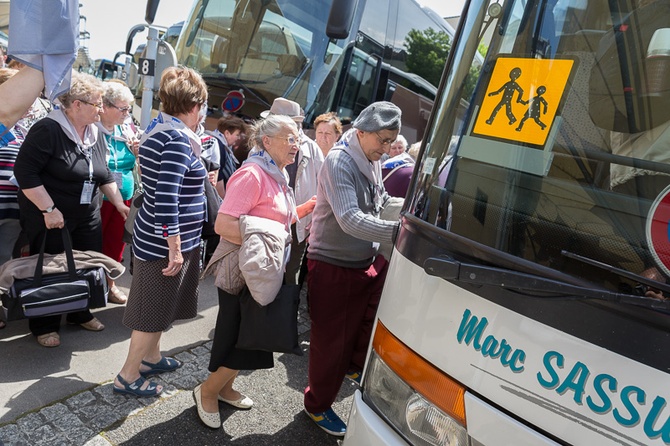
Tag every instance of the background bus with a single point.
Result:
(526, 300)
(266, 49)
(107, 69)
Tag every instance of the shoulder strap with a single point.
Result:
(391, 172)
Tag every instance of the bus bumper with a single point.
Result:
(365, 427)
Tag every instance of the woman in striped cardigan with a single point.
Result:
(166, 235)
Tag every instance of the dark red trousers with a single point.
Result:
(342, 307)
(112, 230)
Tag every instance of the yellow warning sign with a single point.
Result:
(522, 99)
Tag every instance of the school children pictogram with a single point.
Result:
(528, 89)
(534, 109)
(507, 90)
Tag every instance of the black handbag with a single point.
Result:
(135, 205)
(212, 201)
(272, 328)
(52, 294)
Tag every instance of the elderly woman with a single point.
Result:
(60, 167)
(259, 188)
(166, 234)
(328, 130)
(398, 147)
(122, 145)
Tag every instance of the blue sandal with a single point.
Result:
(164, 365)
(135, 388)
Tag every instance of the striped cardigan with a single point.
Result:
(174, 202)
(9, 206)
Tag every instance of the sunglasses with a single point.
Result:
(122, 109)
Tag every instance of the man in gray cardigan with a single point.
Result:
(346, 274)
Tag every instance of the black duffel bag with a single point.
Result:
(51, 294)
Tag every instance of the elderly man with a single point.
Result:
(346, 274)
(303, 179)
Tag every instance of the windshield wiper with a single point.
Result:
(622, 272)
(451, 269)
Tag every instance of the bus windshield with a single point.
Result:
(558, 160)
(267, 48)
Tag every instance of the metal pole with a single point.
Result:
(148, 83)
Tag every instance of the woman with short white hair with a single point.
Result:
(122, 144)
(258, 188)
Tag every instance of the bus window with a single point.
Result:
(267, 49)
(270, 49)
(585, 187)
(359, 86)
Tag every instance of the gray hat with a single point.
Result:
(378, 116)
(283, 106)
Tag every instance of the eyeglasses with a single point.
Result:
(98, 106)
(291, 140)
(122, 109)
(385, 142)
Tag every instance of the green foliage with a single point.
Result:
(427, 53)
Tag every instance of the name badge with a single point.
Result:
(87, 192)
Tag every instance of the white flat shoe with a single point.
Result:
(212, 420)
(243, 402)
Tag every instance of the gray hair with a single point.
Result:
(403, 140)
(273, 125)
(116, 92)
(83, 87)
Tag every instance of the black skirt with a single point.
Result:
(224, 353)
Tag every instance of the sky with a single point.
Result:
(109, 22)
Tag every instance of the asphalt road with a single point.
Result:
(36, 382)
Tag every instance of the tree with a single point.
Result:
(427, 52)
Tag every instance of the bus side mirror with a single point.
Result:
(131, 35)
(340, 18)
(152, 7)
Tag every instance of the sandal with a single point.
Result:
(3, 324)
(166, 364)
(49, 339)
(116, 296)
(92, 325)
(135, 388)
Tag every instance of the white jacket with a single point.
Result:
(310, 160)
(263, 256)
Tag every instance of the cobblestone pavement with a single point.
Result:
(88, 417)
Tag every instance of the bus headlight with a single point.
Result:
(423, 404)
(419, 421)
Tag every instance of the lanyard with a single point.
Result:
(89, 158)
(86, 151)
(112, 149)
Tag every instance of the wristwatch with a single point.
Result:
(49, 210)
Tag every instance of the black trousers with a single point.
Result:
(86, 234)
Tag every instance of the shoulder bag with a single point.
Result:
(273, 327)
(135, 205)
